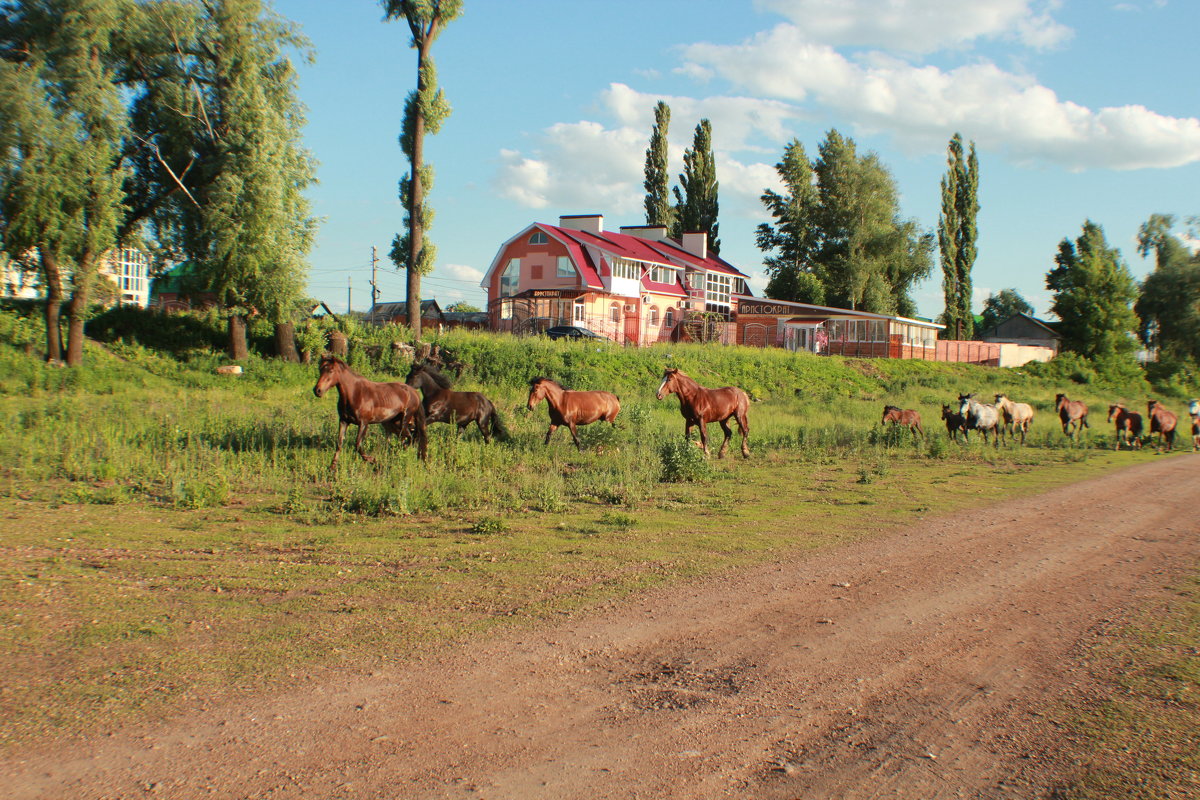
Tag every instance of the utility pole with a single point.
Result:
(349, 294)
(374, 286)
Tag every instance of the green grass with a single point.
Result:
(175, 536)
(1143, 742)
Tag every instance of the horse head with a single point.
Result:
(947, 411)
(670, 382)
(538, 388)
(1002, 400)
(1113, 409)
(964, 403)
(1060, 400)
(329, 368)
(1151, 407)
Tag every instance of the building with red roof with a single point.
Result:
(636, 286)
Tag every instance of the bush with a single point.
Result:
(682, 461)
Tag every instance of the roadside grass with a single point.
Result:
(1143, 742)
(175, 537)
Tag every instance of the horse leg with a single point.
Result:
(575, 436)
(358, 443)
(484, 426)
(341, 439)
(550, 432)
(744, 427)
(728, 435)
(419, 428)
(704, 437)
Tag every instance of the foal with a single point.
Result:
(1129, 426)
(903, 416)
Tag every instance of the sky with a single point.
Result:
(1079, 109)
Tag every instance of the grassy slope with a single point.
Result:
(176, 536)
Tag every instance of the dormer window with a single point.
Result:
(538, 238)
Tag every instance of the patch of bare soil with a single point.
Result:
(916, 665)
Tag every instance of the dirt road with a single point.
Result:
(916, 665)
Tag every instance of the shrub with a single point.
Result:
(682, 461)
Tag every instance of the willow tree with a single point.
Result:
(957, 234)
(63, 133)
(696, 205)
(424, 112)
(658, 179)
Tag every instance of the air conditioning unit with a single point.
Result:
(630, 308)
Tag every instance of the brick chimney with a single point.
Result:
(590, 223)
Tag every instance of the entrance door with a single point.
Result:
(632, 328)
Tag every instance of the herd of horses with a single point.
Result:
(407, 409)
(1005, 417)
(426, 396)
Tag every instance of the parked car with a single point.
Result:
(572, 332)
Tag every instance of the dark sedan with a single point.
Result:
(572, 332)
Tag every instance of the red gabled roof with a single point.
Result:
(624, 245)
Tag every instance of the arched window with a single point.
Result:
(669, 318)
(614, 312)
(653, 315)
(538, 238)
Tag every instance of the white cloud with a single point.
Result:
(463, 273)
(921, 26)
(923, 105)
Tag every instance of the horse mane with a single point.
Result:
(890, 408)
(688, 381)
(441, 380)
(535, 381)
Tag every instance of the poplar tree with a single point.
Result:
(424, 112)
(957, 234)
(696, 204)
(792, 240)
(659, 210)
(1093, 291)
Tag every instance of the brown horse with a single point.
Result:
(572, 408)
(701, 406)
(1072, 413)
(1162, 422)
(442, 404)
(903, 416)
(1129, 426)
(955, 423)
(362, 402)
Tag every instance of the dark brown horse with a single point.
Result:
(1129, 426)
(701, 406)
(572, 408)
(362, 402)
(1072, 414)
(442, 404)
(1162, 422)
(955, 423)
(903, 416)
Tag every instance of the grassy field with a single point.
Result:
(172, 536)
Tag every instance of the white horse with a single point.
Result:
(1017, 416)
(981, 417)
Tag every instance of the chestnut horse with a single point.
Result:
(573, 408)
(1162, 422)
(1129, 426)
(1072, 414)
(362, 402)
(955, 424)
(903, 416)
(1017, 416)
(701, 406)
(442, 404)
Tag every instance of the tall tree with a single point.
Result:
(658, 179)
(63, 135)
(957, 234)
(696, 204)
(1093, 291)
(1003, 305)
(424, 112)
(245, 223)
(869, 256)
(1168, 308)
(791, 241)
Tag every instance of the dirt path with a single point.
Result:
(912, 666)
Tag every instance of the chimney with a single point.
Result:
(590, 223)
(655, 233)
(696, 243)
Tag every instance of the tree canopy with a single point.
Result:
(1093, 292)
(957, 234)
(659, 210)
(1169, 306)
(1002, 305)
(696, 205)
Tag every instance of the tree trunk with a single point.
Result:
(285, 342)
(416, 232)
(77, 310)
(238, 350)
(54, 298)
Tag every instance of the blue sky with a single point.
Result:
(1079, 109)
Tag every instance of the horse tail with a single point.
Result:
(498, 428)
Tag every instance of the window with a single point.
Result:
(653, 315)
(538, 238)
(717, 288)
(580, 309)
(510, 278)
(565, 268)
(506, 309)
(624, 268)
(669, 318)
(614, 312)
(661, 274)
